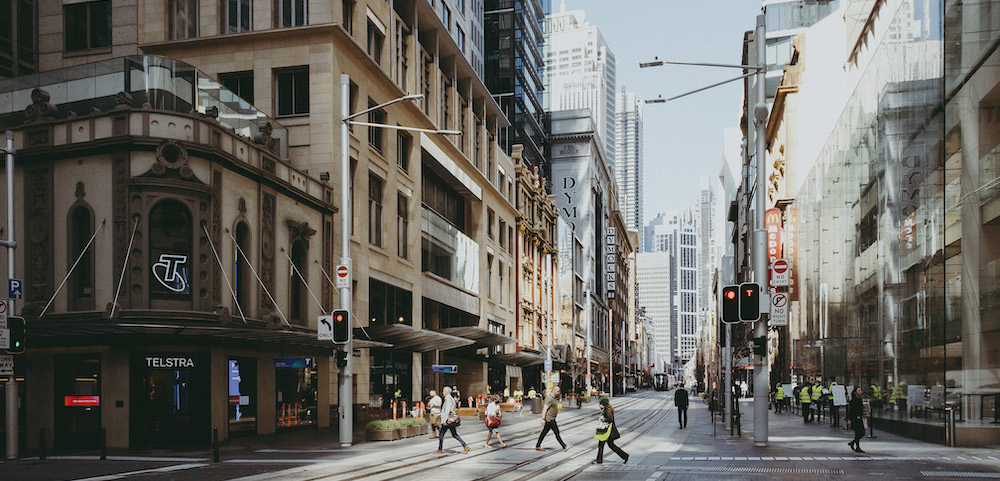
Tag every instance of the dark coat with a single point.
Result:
(608, 414)
(681, 398)
(855, 411)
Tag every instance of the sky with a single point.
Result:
(683, 138)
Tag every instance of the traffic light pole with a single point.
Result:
(762, 383)
(11, 387)
(346, 390)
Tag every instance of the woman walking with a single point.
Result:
(610, 434)
(493, 414)
(855, 416)
(449, 421)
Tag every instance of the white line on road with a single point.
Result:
(165, 469)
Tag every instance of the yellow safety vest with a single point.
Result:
(780, 394)
(876, 392)
(804, 395)
(817, 392)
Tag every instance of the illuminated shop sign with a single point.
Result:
(81, 401)
(162, 362)
(170, 272)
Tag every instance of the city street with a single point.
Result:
(658, 450)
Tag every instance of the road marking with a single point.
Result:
(157, 459)
(277, 461)
(165, 469)
(960, 474)
(655, 476)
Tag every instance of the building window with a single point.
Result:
(402, 226)
(237, 16)
(489, 276)
(389, 305)
(402, 59)
(18, 38)
(182, 19)
(292, 13)
(292, 91)
(348, 9)
(297, 295)
(353, 102)
(242, 273)
(354, 169)
(170, 250)
(377, 116)
(375, 210)
(375, 40)
(500, 269)
(461, 39)
(502, 233)
(88, 25)
(442, 198)
(489, 222)
(239, 83)
(404, 143)
(81, 286)
(446, 17)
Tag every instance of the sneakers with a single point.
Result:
(625, 461)
(566, 447)
(539, 448)
(438, 452)
(466, 450)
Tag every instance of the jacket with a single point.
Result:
(855, 411)
(681, 398)
(447, 409)
(779, 393)
(608, 415)
(804, 395)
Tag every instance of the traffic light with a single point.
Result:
(341, 326)
(17, 334)
(749, 301)
(730, 304)
(759, 345)
(341, 359)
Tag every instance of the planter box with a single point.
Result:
(403, 433)
(382, 435)
(507, 407)
(413, 431)
(423, 429)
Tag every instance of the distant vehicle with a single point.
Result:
(630, 386)
(663, 382)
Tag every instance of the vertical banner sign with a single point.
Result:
(792, 248)
(611, 249)
(908, 233)
(772, 222)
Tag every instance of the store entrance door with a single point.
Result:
(170, 400)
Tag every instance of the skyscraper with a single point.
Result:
(653, 284)
(678, 235)
(628, 152)
(707, 245)
(580, 73)
(513, 52)
(464, 21)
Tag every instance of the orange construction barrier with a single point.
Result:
(404, 409)
(394, 410)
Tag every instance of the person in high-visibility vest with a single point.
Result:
(816, 393)
(805, 399)
(893, 395)
(779, 399)
(876, 395)
(902, 396)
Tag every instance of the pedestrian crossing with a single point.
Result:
(830, 458)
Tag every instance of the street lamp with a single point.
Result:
(759, 252)
(346, 388)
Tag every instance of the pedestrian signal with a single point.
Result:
(17, 335)
(341, 326)
(730, 304)
(342, 359)
(749, 301)
(759, 345)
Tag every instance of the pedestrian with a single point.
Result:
(449, 421)
(550, 410)
(816, 393)
(834, 408)
(855, 416)
(457, 394)
(805, 398)
(493, 414)
(531, 393)
(435, 405)
(744, 388)
(681, 403)
(609, 434)
(779, 398)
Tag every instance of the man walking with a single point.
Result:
(681, 403)
(549, 412)
(435, 404)
(779, 398)
(805, 399)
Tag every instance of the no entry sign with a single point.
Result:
(780, 270)
(343, 277)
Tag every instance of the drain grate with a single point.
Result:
(960, 474)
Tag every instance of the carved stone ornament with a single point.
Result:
(299, 231)
(172, 159)
(264, 136)
(40, 109)
(123, 100)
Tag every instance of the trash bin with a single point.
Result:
(536, 405)
(949, 427)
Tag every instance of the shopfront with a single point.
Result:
(242, 396)
(170, 399)
(296, 382)
(78, 401)
(390, 373)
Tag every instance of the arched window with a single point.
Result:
(81, 283)
(297, 296)
(242, 277)
(170, 250)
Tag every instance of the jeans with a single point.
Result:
(805, 411)
(611, 444)
(682, 416)
(550, 425)
(454, 434)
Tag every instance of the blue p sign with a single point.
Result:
(15, 289)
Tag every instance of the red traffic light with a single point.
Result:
(730, 294)
(730, 304)
(341, 326)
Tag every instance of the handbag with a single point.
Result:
(602, 425)
(492, 422)
(453, 420)
(603, 435)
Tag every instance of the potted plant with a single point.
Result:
(381, 430)
(401, 428)
(411, 427)
(421, 425)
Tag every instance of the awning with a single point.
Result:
(522, 358)
(410, 338)
(482, 337)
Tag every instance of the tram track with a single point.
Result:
(426, 461)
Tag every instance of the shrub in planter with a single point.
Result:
(381, 430)
(420, 424)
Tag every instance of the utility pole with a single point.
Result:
(762, 383)
(346, 390)
(588, 320)
(11, 387)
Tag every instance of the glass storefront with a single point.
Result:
(390, 374)
(78, 401)
(170, 399)
(896, 267)
(242, 396)
(296, 383)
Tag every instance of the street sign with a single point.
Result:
(781, 270)
(548, 364)
(324, 328)
(4, 338)
(779, 309)
(6, 365)
(15, 289)
(445, 368)
(3, 314)
(343, 277)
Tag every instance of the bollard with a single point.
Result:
(949, 427)
(404, 409)
(104, 443)
(215, 445)
(41, 444)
